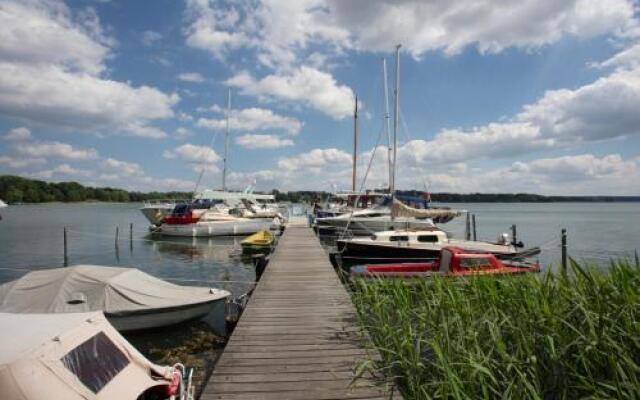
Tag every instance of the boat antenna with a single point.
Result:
(387, 119)
(395, 124)
(226, 143)
(355, 145)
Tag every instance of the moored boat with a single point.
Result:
(3, 204)
(452, 261)
(79, 356)
(130, 298)
(259, 241)
(417, 246)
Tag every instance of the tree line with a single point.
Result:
(15, 189)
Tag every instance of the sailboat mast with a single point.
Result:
(226, 143)
(396, 119)
(387, 119)
(355, 146)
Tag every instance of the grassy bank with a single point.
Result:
(529, 337)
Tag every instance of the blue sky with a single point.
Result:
(535, 96)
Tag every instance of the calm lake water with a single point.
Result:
(31, 237)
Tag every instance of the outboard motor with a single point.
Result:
(504, 239)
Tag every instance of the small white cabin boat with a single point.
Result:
(130, 298)
(3, 204)
(78, 356)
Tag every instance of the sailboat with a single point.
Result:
(221, 214)
(406, 239)
(386, 215)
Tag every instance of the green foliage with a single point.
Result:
(14, 189)
(529, 337)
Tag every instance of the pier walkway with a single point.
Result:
(298, 338)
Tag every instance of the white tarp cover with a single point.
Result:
(71, 356)
(83, 288)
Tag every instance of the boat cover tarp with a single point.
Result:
(83, 288)
(402, 210)
(71, 356)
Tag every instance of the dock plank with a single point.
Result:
(299, 336)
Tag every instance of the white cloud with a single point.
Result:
(315, 158)
(55, 150)
(42, 32)
(50, 73)
(21, 162)
(193, 153)
(252, 119)
(490, 25)
(305, 85)
(149, 38)
(61, 170)
(263, 142)
(191, 77)
(121, 168)
(18, 134)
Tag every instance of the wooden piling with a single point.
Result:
(563, 235)
(117, 234)
(66, 257)
(514, 234)
(467, 228)
(473, 223)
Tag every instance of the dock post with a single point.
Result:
(66, 258)
(564, 251)
(117, 234)
(467, 228)
(514, 234)
(131, 236)
(473, 223)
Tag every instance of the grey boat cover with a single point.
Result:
(83, 288)
(77, 356)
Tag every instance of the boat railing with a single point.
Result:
(155, 202)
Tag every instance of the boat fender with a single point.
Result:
(174, 387)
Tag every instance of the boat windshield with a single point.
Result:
(95, 362)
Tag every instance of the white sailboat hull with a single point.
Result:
(243, 226)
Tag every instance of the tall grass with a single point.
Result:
(551, 336)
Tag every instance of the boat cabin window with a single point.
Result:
(95, 362)
(428, 239)
(180, 210)
(475, 263)
(399, 238)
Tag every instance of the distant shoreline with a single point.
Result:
(15, 189)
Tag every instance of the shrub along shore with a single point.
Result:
(549, 336)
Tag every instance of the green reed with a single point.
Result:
(549, 336)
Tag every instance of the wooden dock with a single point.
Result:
(298, 338)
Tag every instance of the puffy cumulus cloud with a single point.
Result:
(263, 141)
(279, 31)
(627, 58)
(149, 38)
(18, 134)
(51, 72)
(490, 25)
(21, 162)
(60, 171)
(314, 159)
(305, 85)
(252, 119)
(55, 150)
(43, 32)
(121, 168)
(275, 29)
(191, 77)
(193, 153)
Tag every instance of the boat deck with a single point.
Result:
(298, 338)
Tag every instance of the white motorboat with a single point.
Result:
(79, 356)
(187, 220)
(130, 298)
(3, 204)
(368, 221)
(419, 245)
